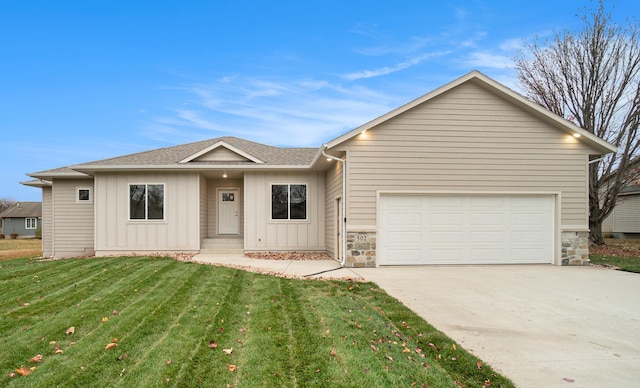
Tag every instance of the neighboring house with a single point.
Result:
(470, 173)
(23, 219)
(624, 219)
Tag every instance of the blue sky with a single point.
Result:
(87, 80)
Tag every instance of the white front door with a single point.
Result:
(228, 217)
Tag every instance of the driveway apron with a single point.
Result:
(540, 325)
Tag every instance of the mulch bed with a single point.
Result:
(289, 255)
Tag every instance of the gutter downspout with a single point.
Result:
(343, 221)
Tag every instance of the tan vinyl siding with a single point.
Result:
(465, 140)
(213, 186)
(72, 221)
(47, 221)
(204, 207)
(625, 217)
(178, 232)
(263, 234)
(333, 190)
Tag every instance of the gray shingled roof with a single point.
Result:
(23, 209)
(172, 155)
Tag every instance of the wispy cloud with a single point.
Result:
(388, 70)
(304, 112)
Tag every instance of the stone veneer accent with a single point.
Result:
(361, 250)
(575, 248)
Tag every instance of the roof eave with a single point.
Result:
(183, 167)
(38, 183)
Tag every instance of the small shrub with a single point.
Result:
(1, 236)
(39, 232)
(14, 235)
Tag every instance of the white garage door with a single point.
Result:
(465, 229)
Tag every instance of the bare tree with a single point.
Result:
(592, 78)
(6, 203)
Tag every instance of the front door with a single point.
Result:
(228, 217)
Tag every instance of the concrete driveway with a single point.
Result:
(540, 325)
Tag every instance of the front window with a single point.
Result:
(30, 223)
(289, 202)
(146, 202)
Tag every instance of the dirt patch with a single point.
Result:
(289, 255)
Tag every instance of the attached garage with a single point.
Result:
(416, 229)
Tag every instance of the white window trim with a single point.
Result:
(146, 208)
(78, 200)
(288, 220)
(35, 223)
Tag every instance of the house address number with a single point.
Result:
(361, 237)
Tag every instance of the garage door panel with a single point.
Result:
(465, 229)
(483, 219)
(402, 237)
(445, 236)
(443, 219)
(487, 236)
(403, 218)
(443, 256)
(408, 256)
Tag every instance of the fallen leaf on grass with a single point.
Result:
(232, 368)
(37, 358)
(115, 340)
(115, 312)
(333, 353)
(228, 351)
(12, 375)
(70, 330)
(22, 371)
(389, 358)
(479, 365)
(109, 346)
(169, 362)
(213, 344)
(105, 319)
(59, 351)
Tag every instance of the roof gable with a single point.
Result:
(221, 152)
(599, 145)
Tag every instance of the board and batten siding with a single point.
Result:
(333, 179)
(47, 221)
(466, 140)
(213, 186)
(263, 234)
(204, 207)
(178, 232)
(72, 221)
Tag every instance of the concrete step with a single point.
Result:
(222, 245)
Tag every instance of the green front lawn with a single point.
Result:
(182, 324)
(629, 264)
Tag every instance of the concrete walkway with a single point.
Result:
(540, 325)
(325, 269)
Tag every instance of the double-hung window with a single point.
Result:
(289, 202)
(146, 202)
(30, 223)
